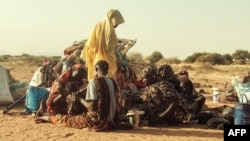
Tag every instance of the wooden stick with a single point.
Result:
(130, 45)
(225, 85)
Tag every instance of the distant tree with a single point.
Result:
(228, 58)
(154, 57)
(171, 60)
(192, 58)
(25, 55)
(136, 61)
(135, 56)
(213, 58)
(241, 56)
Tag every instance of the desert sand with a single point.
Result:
(15, 125)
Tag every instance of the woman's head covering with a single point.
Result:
(112, 19)
(165, 71)
(115, 17)
(149, 75)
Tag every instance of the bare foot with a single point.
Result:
(42, 108)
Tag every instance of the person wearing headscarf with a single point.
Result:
(102, 42)
(166, 72)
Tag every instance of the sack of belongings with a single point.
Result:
(5, 95)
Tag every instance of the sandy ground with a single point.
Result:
(18, 126)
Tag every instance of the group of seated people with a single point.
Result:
(169, 97)
(97, 104)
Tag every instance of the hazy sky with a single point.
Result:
(176, 28)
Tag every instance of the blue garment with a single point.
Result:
(34, 96)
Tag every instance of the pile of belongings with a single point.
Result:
(242, 90)
(230, 115)
(34, 91)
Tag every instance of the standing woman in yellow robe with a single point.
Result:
(101, 44)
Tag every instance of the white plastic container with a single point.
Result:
(135, 117)
(216, 95)
(219, 96)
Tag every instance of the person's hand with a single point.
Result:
(57, 98)
(85, 81)
(70, 98)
